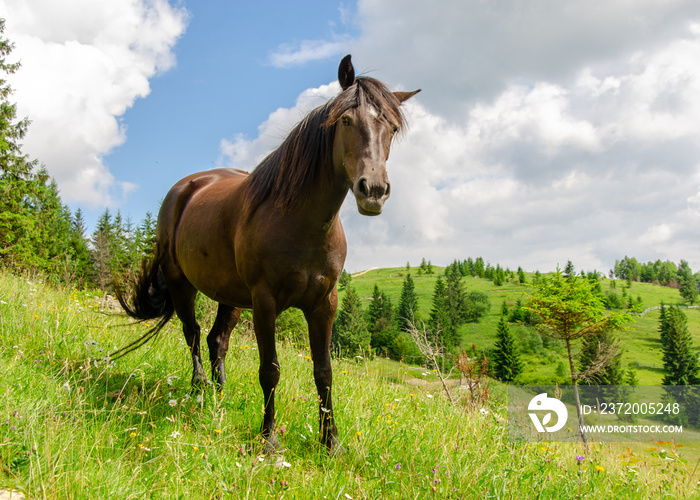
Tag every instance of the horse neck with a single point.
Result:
(323, 200)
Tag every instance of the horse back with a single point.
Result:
(197, 225)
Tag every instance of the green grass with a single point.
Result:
(71, 427)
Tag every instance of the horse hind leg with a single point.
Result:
(184, 304)
(226, 319)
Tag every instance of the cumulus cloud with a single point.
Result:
(84, 63)
(245, 153)
(292, 54)
(591, 167)
(466, 51)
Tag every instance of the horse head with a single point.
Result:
(367, 117)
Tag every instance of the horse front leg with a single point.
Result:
(320, 322)
(264, 317)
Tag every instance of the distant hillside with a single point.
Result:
(640, 340)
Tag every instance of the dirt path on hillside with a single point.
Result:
(363, 272)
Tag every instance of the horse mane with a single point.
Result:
(306, 154)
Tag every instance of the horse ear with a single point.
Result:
(405, 96)
(346, 73)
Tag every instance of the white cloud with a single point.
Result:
(245, 154)
(84, 63)
(466, 51)
(293, 54)
(590, 169)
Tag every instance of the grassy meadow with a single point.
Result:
(72, 426)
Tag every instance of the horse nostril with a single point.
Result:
(388, 189)
(363, 188)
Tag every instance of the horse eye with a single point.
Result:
(346, 120)
(395, 129)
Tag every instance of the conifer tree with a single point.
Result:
(408, 304)
(344, 279)
(499, 276)
(663, 325)
(379, 309)
(102, 249)
(680, 360)
(350, 329)
(79, 267)
(506, 361)
(440, 321)
(521, 276)
(147, 235)
(479, 268)
(379, 322)
(688, 283)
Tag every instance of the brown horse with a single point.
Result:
(272, 239)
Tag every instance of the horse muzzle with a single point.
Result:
(371, 195)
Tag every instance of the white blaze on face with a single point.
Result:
(373, 112)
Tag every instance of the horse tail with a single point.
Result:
(149, 299)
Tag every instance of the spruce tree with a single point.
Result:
(102, 250)
(379, 317)
(506, 361)
(374, 311)
(688, 283)
(379, 309)
(440, 322)
(663, 325)
(456, 303)
(479, 268)
(344, 279)
(570, 270)
(499, 276)
(521, 276)
(350, 329)
(408, 304)
(680, 360)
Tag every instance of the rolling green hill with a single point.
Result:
(640, 340)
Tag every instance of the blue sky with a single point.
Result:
(223, 84)
(546, 131)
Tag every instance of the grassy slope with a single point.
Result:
(640, 341)
(70, 428)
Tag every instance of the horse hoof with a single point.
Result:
(271, 444)
(201, 383)
(335, 449)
